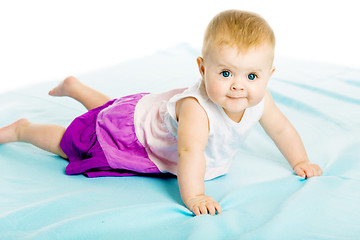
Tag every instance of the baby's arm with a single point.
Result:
(286, 138)
(193, 130)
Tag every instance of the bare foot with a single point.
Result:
(65, 87)
(10, 132)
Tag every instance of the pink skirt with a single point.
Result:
(86, 156)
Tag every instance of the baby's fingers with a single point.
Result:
(197, 211)
(300, 172)
(309, 172)
(315, 170)
(214, 208)
(218, 208)
(201, 210)
(209, 208)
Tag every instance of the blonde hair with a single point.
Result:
(238, 29)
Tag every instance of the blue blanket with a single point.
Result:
(260, 196)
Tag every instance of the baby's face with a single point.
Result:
(237, 80)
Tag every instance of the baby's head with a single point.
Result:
(237, 29)
(238, 54)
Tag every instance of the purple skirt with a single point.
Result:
(86, 156)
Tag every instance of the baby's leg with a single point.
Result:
(87, 96)
(44, 136)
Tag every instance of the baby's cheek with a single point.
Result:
(255, 100)
(257, 94)
(213, 94)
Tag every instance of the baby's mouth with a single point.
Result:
(236, 97)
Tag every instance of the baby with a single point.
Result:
(193, 133)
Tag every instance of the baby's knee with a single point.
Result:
(70, 81)
(22, 122)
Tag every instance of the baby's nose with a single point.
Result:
(237, 87)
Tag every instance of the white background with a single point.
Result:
(43, 40)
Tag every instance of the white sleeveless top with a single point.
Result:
(156, 129)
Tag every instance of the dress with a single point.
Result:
(81, 145)
(138, 134)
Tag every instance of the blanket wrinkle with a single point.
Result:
(318, 90)
(301, 106)
(40, 203)
(264, 191)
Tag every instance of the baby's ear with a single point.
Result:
(200, 62)
(272, 70)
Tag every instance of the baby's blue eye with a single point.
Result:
(225, 74)
(251, 76)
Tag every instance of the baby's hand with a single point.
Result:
(307, 169)
(203, 204)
